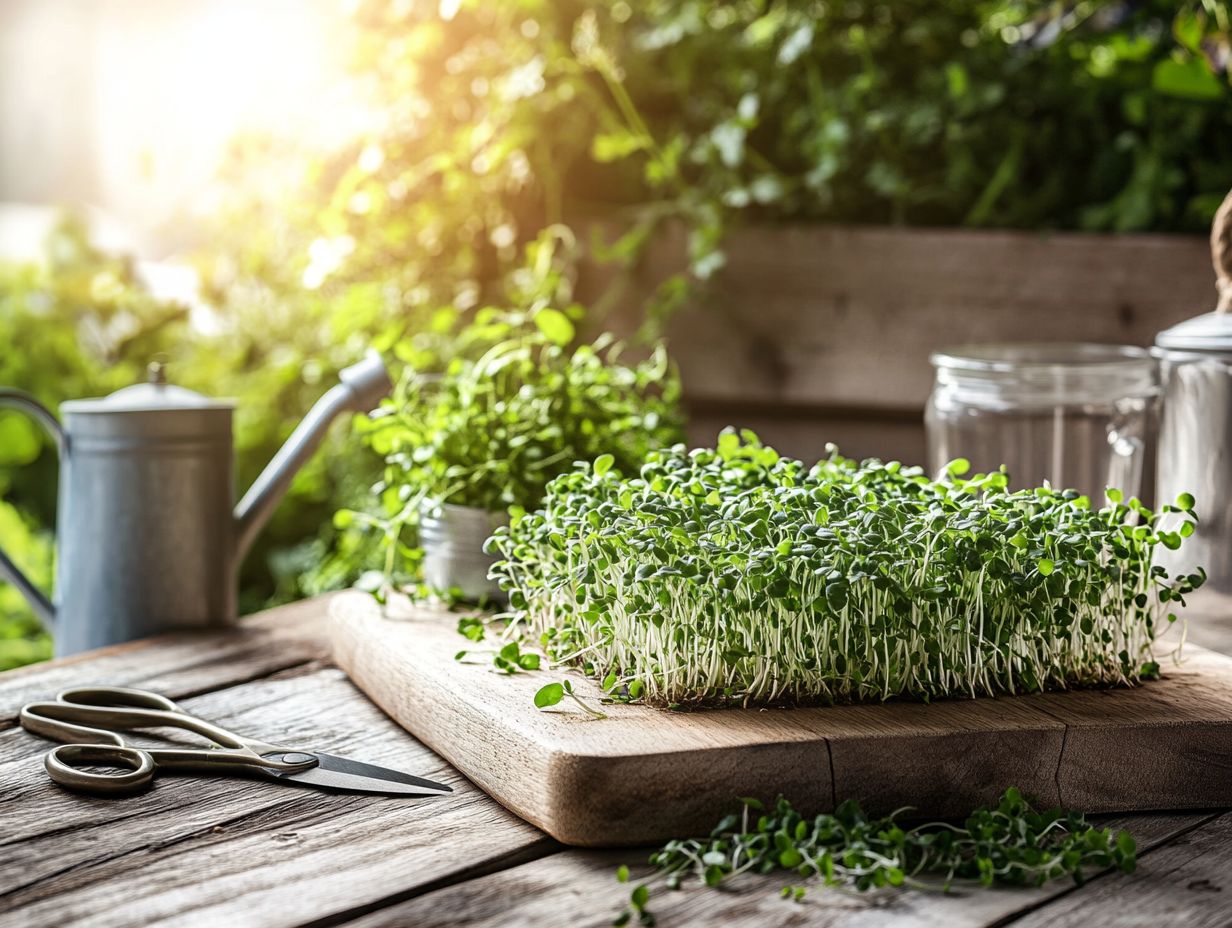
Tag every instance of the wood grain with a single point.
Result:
(1160, 746)
(215, 850)
(183, 664)
(644, 775)
(1185, 882)
(578, 888)
(208, 851)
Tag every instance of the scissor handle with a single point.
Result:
(64, 764)
(90, 718)
(112, 696)
(96, 715)
(61, 764)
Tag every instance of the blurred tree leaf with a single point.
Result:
(1190, 79)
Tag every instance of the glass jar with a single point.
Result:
(1075, 415)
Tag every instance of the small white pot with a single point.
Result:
(452, 538)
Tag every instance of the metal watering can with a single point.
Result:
(148, 541)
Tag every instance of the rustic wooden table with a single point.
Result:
(218, 851)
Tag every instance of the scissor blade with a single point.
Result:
(340, 773)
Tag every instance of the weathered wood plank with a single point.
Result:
(180, 665)
(645, 775)
(35, 808)
(1208, 619)
(596, 775)
(1186, 882)
(214, 850)
(579, 888)
(1165, 757)
(809, 314)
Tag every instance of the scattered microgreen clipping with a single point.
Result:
(512, 657)
(508, 658)
(737, 576)
(1010, 845)
(553, 693)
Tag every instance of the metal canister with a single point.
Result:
(1195, 442)
(454, 560)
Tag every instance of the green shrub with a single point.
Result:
(22, 637)
(1102, 116)
(504, 119)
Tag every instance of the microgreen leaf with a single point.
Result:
(549, 695)
(472, 627)
(639, 897)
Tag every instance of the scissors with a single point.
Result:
(90, 718)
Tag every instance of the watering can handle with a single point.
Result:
(16, 399)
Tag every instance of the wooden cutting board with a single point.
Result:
(645, 775)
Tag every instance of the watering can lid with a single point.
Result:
(154, 396)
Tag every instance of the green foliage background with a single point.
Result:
(500, 129)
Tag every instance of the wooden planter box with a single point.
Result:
(821, 333)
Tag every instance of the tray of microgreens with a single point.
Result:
(737, 576)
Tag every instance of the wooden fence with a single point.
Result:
(816, 334)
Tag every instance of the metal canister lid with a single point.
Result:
(1208, 332)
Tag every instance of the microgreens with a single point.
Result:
(508, 658)
(512, 656)
(735, 575)
(515, 406)
(1009, 845)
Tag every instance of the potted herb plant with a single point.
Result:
(515, 407)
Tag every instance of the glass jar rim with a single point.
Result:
(1041, 357)
(1038, 374)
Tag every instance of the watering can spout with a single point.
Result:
(361, 386)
